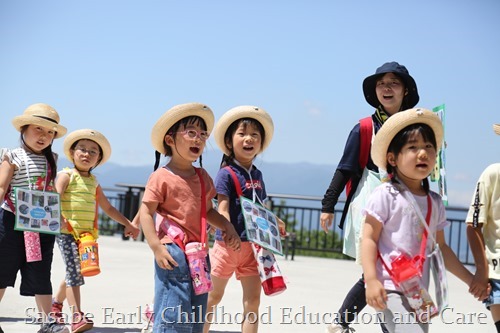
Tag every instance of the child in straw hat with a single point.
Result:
(174, 193)
(483, 222)
(81, 194)
(395, 230)
(32, 166)
(242, 133)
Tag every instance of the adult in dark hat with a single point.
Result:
(390, 90)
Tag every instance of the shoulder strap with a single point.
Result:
(236, 182)
(365, 140)
(203, 208)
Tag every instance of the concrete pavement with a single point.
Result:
(316, 288)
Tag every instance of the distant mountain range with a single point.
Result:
(280, 178)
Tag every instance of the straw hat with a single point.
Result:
(396, 123)
(87, 134)
(42, 115)
(172, 116)
(370, 82)
(496, 128)
(240, 112)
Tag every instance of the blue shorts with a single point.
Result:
(71, 258)
(176, 307)
(494, 297)
(35, 276)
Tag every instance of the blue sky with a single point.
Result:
(116, 66)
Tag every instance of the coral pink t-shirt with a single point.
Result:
(179, 200)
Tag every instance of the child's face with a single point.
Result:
(390, 92)
(246, 144)
(38, 138)
(416, 159)
(86, 154)
(189, 142)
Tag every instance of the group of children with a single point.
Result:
(177, 204)
(177, 192)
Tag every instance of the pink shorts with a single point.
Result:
(225, 261)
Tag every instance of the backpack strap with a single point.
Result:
(365, 140)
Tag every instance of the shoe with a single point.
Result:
(337, 328)
(53, 328)
(56, 312)
(1, 330)
(81, 323)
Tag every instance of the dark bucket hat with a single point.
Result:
(369, 83)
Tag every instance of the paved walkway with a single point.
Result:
(316, 289)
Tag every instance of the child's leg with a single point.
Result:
(251, 302)
(43, 303)
(2, 292)
(399, 316)
(223, 262)
(214, 298)
(495, 314)
(70, 287)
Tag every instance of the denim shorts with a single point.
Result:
(71, 258)
(494, 297)
(176, 307)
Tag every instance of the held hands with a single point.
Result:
(376, 296)
(480, 287)
(326, 221)
(231, 238)
(131, 230)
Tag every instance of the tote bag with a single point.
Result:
(354, 219)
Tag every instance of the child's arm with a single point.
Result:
(376, 296)
(112, 212)
(162, 257)
(479, 285)
(220, 219)
(6, 174)
(451, 261)
(62, 181)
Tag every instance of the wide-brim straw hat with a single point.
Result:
(396, 123)
(370, 83)
(496, 128)
(87, 134)
(240, 112)
(173, 115)
(42, 115)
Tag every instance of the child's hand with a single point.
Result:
(131, 230)
(376, 296)
(282, 227)
(164, 259)
(480, 287)
(231, 238)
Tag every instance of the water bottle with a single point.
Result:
(196, 254)
(407, 275)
